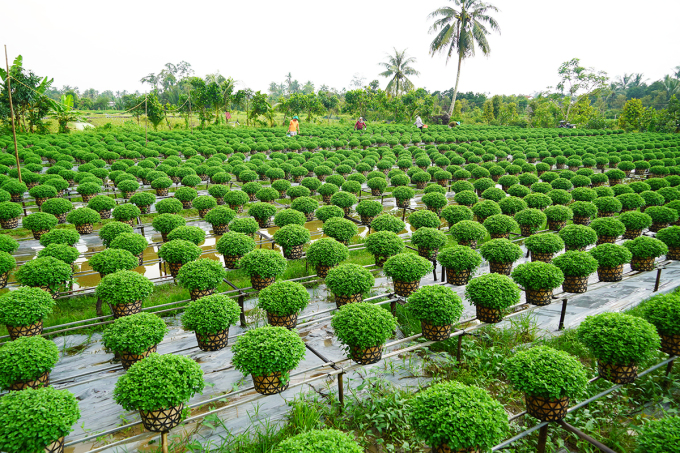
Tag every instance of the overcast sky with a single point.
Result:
(110, 45)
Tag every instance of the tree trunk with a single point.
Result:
(455, 89)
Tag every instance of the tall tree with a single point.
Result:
(398, 67)
(461, 28)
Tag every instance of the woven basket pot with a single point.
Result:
(237, 208)
(574, 284)
(28, 330)
(556, 226)
(61, 218)
(309, 216)
(326, 199)
(85, 228)
(131, 308)
(670, 344)
(435, 333)
(526, 230)
(105, 214)
(259, 283)
(444, 448)
(458, 278)
(366, 356)
(264, 223)
(56, 447)
(37, 234)
(429, 254)
(376, 192)
(174, 268)
(196, 294)
(87, 198)
(618, 374)
(471, 243)
(162, 192)
(188, 204)
(606, 240)
(130, 222)
(539, 297)
(127, 359)
(642, 264)
(544, 257)
(582, 220)
(295, 252)
(344, 300)
(657, 226)
(366, 220)
(405, 289)
(322, 271)
(380, 260)
(203, 212)
(568, 248)
(421, 184)
(213, 342)
(498, 235)
(287, 321)
(41, 381)
(673, 254)
(230, 261)
(220, 200)
(547, 409)
(220, 229)
(610, 274)
(162, 420)
(489, 315)
(500, 268)
(269, 384)
(403, 203)
(9, 224)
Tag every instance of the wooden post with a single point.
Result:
(190, 123)
(542, 439)
(146, 123)
(164, 441)
(11, 109)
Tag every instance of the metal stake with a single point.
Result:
(563, 314)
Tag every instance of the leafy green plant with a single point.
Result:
(327, 212)
(438, 305)
(456, 213)
(530, 218)
(403, 193)
(388, 222)
(578, 236)
(179, 251)
(263, 263)
(349, 279)
(538, 275)
(369, 208)
(169, 206)
(220, 215)
(134, 334)
(634, 220)
(62, 252)
(618, 338)
(236, 198)
(40, 221)
(283, 298)
(500, 224)
(132, 242)
(57, 411)
(10, 245)
(558, 213)
(186, 194)
(109, 261)
(659, 436)
(630, 200)
(123, 287)
(57, 206)
(88, 188)
(202, 274)
(25, 306)
(546, 372)
(544, 243)
(484, 209)
(343, 200)
(188, 233)
(8, 263)
(362, 325)
(492, 291)
(512, 205)
(244, 225)
(291, 236)
(467, 230)
(435, 200)
(210, 315)
(261, 210)
(576, 264)
(608, 226)
(101, 203)
(83, 216)
(161, 183)
(159, 382)
(662, 311)
(26, 359)
(407, 267)
(611, 255)
(320, 441)
(659, 214)
(669, 236)
(459, 258)
(428, 238)
(268, 349)
(342, 230)
(460, 416)
(384, 243)
(126, 211)
(326, 252)
(501, 251)
(234, 244)
(424, 218)
(142, 199)
(646, 247)
(9, 210)
(289, 217)
(46, 272)
(164, 223)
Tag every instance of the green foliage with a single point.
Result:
(163, 223)
(290, 236)
(39, 221)
(179, 251)
(646, 247)
(47, 271)
(261, 210)
(363, 325)
(428, 238)
(161, 183)
(663, 312)
(289, 217)
(88, 188)
(388, 222)
(634, 220)
(369, 208)
(57, 206)
(349, 279)
(407, 267)
(459, 416)
(132, 242)
(608, 226)
(500, 224)
(558, 213)
(670, 236)
(630, 200)
(546, 372)
(244, 225)
(492, 291)
(435, 200)
(142, 199)
(236, 198)
(512, 205)
(330, 189)
(618, 338)
(234, 244)
(343, 200)
(101, 203)
(438, 305)
(323, 441)
(326, 212)
(467, 230)
(189, 233)
(186, 194)
(201, 274)
(123, 286)
(456, 213)
(267, 350)
(25, 306)
(263, 263)
(584, 194)
(305, 205)
(403, 193)
(10, 245)
(377, 183)
(134, 333)
(25, 359)
(459, 258)
(544, 243)
(169, 206)
(501, 251)
(662, 214)
(62, 252)
(538, 275)
(533, 218)
(578, 236)
(611, 255)
(659, 436)
(159, 382)
(484, 209)
(267, 194)
(32, 419)
(576, 264)
(211, 314)
(340, 229)
(607, 204)
(327, 252)
(126, 211)
(220, 215)
(9, 210)
(109, 261)
(8, 263)
(283, 298)
(83, 216)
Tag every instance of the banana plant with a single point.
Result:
(64, 113)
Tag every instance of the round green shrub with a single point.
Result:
(188, 233)
(340, 229)
(538, 200)
(283, 298)
(659, 436)
(327, 212)
(261, 210)
(329, 189)
(369, 208)
(538, 275)
(88, 188)
(169, 206)
(179, 251)
(204, 202)
(558, 213)
(407, 267)
(434, 200)
(291, 236)
(210, 315)
(244, 225)
(428, 238)
(559, 196)
(83, 216)
(438, 305)
(327, 252)
(101, 203)
(25, 306)
(47, 272)
(388, 222)
(607, 204)
(646, 247)
(320, 441)
(61, 236)
(501, 251)
(608, 226)
(424, 218)
(512, 205)
(234, 244)
(578, 236)
(220, 215)
(663, 312)
(465, 198)
(122, 287)
(618, 338)
(26, 359)
(483, 209)
(236, 198)
(161, 183)
(127, 211)
(132, 242)
(652, 198)
(576, 264)
(264, 263)
(583, 194)
(62, 252)
(202, 274)
(459, 258)
(403, 193)
(630, 201)
(109, 261)
(500, 224)
(532, 218)
(9, 210)
(467, 230)
(349, 279)
(10, 245)
(40, 221)
(384, 243)
(289, 217)
(662, 214)
(670, 236)
(544, 243)
(163, 223)
(362, 325)
(456, 213)
(493, 291)
(343, 200)
(134, 334)
(611, 255)
(186, 194)
(305, 205)
(57, 206)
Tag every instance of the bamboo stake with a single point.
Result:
(164, 441)
(11, 109)
(146, 122)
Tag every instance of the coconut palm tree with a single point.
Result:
(398, 67)
(461, 28)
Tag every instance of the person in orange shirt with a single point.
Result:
(294, 127)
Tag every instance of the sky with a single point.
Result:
(112, 45)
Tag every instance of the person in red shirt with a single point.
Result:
(360, 124)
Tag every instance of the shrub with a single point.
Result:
(26, 359)
(235, 244)
(428, 238)
(132, 242)
(635, 220)
(558, 213)
(466, 198)
(10, 245)
(630, 200)
(236, 198)
(186, 194)
(512, 205)
(369, 208)
(388, 222)
(291, 236)
(546, 372)
(47, 272)
(261, 210)
(101, 203)
(123, 286)
(407, 267)
(559, 196)
(244, 225)
(424, 218)
(493, 291)
(652, 198)
(211, 314)
(340, 229)
(618, 338)
(459, 258)
(607, 204)
(467, 230)
(320, 441)
(202, 274)
(659, 214)
(109, 261)
(88, 188)
(161, 183)
(576, 264)
(669, 236)
(327, 252)
(188, 233)
(179, 251)
(544, 243)
(14, 187)
(584, 194)
(403, 193)
(9, 210)
(500, 224)
(456, 213)
(327, 212)
(289, 217)
(125, 211)
(164, 223)
(501, 251)
(494, 194)
(533, 218)
(25, 306)
(305, 205)
(459, 416)
(62, 252)
(220, 215)
(485, 209)
(608, 226)
(349, 279)
(538, 200)
(159, 382)
(659, 436)
(329, 189)
(538, 275)
(611, 255)
(438, 305)
(134, 334)
(204, 202)
(83, 216)
(662, 311)
(283, 298)
(32, 419)
(583, 209)
(578, 236)
(169, 206)
(263, 263)
(57, 206)
(39, 221)
(343, 200)
(362, 325)
(646, 247)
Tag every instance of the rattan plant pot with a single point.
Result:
(162, 420)
(203, 212)
(55, 447)
(500, 268)
(174, 268)
(673, 254)
(264, 223)
(287, 321)
(198, 293)
(575, 285)
(41, 381)
(127, 359)
(213, 342)
(472, 244)
(547, 409)
(322, 271)
(309, 216)
(642, 264)
(498, 235)
(295, 252)
(40, 201)
(38, 233)
(87, 198)
(429, 254)
(544, 257)
(405, 289)
(458, 278)
(236, 208)
(569, 248)
(526, 230)
(347, 210)
(403, 203)
(131, 308)
(269, 384)
(578, 220)
(3, 279)
(670, 344)
(366, 220)
(130, 222)
(489, 315)
(606, 240)
(188, 204)
(220, 200)
(344, 300)
(85, 228)
(435, 333)
(610, 274)
(9, 224)
(326, 199)
(259, 283)
(618, 374)
(380, 260)
(539, 297)
(606, 214)
(144, 209)
(220, 229)
(161, 192)
(376, 192)
(366, 356)
(655, 227)
(421, 184)
(105, 214)
(29, 330)
(230, 261)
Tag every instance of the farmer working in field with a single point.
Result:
(360, 125)
(294, 127)
(419, 123)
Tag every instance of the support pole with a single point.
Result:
(146, 123)
(460, 345)
(658, 279)
(11, 109)
(563, 314)
(241, 302)
(341, 391)
(584, 436)
(542, 439)
(164, 441)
